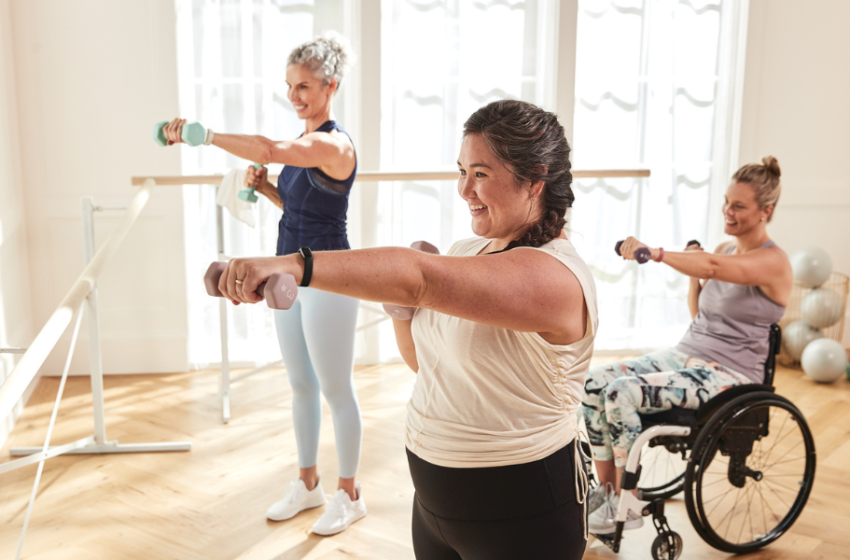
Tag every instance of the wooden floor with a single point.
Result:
(210, 503)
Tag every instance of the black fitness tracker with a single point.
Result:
(307, 255)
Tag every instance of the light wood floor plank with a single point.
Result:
(210, 503)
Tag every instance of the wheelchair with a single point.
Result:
(745, 461)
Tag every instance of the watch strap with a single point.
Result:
(307, 255)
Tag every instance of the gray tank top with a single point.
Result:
(733, 326)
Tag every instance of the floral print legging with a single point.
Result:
(615, 393)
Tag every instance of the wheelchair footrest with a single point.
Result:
(610, 540)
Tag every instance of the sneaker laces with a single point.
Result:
(293, 492)
(337, 502)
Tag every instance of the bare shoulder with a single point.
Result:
(778, 254)
(340, 138)
(723, 247)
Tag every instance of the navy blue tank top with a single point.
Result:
(314, 206)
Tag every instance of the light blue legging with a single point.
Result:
(317, 344)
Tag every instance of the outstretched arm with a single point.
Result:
(755, 268)
(523, 289)
(330, 151)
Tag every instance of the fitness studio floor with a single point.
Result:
(210, 503)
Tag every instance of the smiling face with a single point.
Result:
(741, 211)
(501, 208)
(308, 96)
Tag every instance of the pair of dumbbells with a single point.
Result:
(280, 290)
(194, 134)
(642, 254)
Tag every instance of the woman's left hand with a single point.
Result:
(630, 245)
(242, 277)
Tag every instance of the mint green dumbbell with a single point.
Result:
(248, 194)
(193, 133)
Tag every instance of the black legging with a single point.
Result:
(498, 513)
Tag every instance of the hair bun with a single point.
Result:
(772, 165)
(341, 46)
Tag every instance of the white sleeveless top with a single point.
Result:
(487, 396)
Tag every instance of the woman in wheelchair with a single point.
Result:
(736, 293)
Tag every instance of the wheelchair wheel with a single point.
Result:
(667, 546)
(751, 470)
(662, 472)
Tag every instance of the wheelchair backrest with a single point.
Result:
(775, 344)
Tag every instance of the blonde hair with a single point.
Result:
(764, 180)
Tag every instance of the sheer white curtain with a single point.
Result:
(232, 67)
(655, 87)
(440, 62)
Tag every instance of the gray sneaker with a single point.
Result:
(597, 496)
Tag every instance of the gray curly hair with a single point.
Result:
(328, 56)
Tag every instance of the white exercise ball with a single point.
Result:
(796, 336)
(824, 360)
(811, 265)
(822, 307)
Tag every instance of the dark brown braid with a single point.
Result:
(532, 142)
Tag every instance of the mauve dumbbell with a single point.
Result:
(280, 290)
(642, 254)
(401, 312)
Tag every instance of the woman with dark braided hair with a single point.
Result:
(501, 341)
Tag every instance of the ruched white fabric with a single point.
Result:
(487, 396)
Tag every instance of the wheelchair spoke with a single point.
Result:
(713, 483)
(750, 492)
(772, 512)
(750, 474)
(769, 487)
(779, 438)
(763, 513)
(730, 515)
(803, 458)
(786, 453)
(718, 503)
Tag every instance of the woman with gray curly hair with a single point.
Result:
(317, 334)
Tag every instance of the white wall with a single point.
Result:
(797, 108)
(93, 76)
(16, 326)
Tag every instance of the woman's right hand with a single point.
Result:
(255, 177)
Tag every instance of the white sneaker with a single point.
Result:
(604, 520)
(298, 499)
(341, 513)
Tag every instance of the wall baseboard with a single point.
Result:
(8, 423)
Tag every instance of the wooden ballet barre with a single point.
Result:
(27, 368)
(377, 176)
